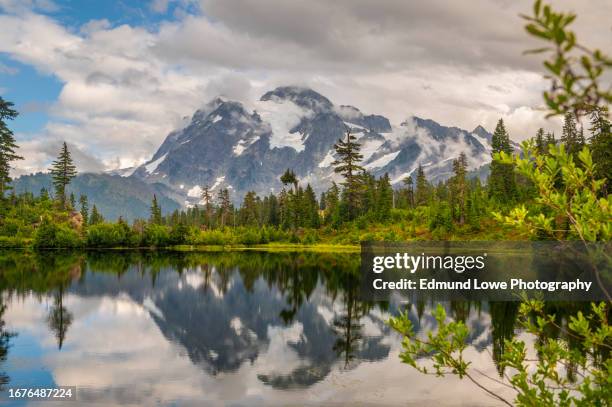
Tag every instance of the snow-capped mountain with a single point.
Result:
(243, 147)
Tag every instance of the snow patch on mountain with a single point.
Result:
(382, 161)
(403, 176)
(328, 160)
(243, 145)
(218, 182)
(152, 166)
(483, 141)
(369, 147)
(355, 128)
(283, 116)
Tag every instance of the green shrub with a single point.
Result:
(249, 237)
(52, 235)
(156, 235)
(178, 234)
(10, 227)
(9, 242)
(310, 237)
(212, 238)
(109, 235)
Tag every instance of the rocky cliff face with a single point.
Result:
(229, 144)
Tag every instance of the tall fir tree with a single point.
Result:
(540, 142)
(422, 187)
(8, 146)
(550, 140)
(270, 210)
(249, 213)
(156, 214)
(63, 171)
(384, 198)
(208, 205)
(409, 190)
(459, 188)
(311, 208)
(44, 194)
(289, 178)
(72, 201)
(572, 137)
(348, 166)
(225, 205)
(84, 209)
(502, 181)
(96, 217)
(601, 145)
(332, 205)
(291, 202)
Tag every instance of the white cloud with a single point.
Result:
(125, 87)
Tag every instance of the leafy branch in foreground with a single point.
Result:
(574, 370)
(573, 210)
(569, 199)
(575, 70)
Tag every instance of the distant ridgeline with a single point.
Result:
(229, 145)
(114, 196)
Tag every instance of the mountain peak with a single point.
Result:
(303, 97)
(480, 131)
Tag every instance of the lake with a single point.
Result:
(226, 328)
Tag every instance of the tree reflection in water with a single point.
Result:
(4, 344)
(59, 318)
(226, 309)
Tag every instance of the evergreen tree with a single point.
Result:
(459, 188)
(156, 215)
(368, 198)
(270, 210)
(291, 201)
(550, 139)
(347, 165)
(44, 194)
(208, 206)
(225, 205)
(409, 190)
(384, 198)
(332, 205)
(540, 142)
(72, 201)
(289, 177)
(7, 145)
(422, 187)
(84, 209)
(311, 208)
(283, 209)
(571, 136)
(62, 172)
(249, 214)
(502, 183)
(95, 217)
(601, 144)
(475, 203)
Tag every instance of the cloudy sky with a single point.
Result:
(112, 78)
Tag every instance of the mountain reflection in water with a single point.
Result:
(247, 328)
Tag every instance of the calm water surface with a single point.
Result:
(234, 329)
